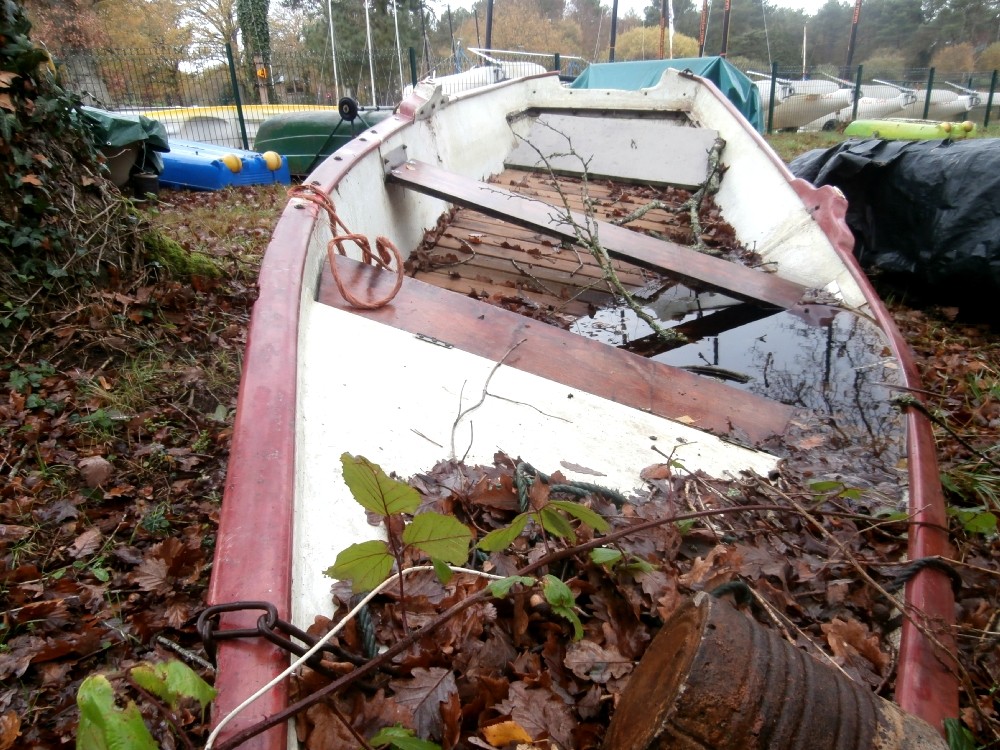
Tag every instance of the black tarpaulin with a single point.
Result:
(925, 214)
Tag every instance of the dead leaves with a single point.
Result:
(96, 470)
(10, 730)
(424, 697)
(509, 673)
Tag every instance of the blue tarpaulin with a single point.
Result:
(641, 74)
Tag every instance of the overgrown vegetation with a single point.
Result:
(62, 224)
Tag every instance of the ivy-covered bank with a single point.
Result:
(62, 222)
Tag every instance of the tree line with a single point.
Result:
(893, 36)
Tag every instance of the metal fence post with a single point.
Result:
(557, 63)
(234, 82)
(989, 99)
(413, 66)
(930, 88)
(770, 103)
(857, 93)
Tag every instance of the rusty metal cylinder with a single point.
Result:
(714, 679)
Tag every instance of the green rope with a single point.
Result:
(524, 477)
(369, 645)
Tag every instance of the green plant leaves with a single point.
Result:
(401, 738)
(975, 520)
(440, 537)
(104, 726)
(560, 598)
(365, 565)
(173, 680)
(556, 524)
(375, 490)
(501, 588)
(502, 538)
(605, 556)
(581, 512)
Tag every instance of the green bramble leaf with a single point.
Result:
(365, 565)
(581, 512)
(104, 726)
(439, 536)
(401, 738)
(375, 490)
(605, 556)
(441, 570)
(827, 486)
(502, 538)
(683, 527)
(975, 520)
(171, 681)
(556, 524)
(638, 565)
(501, 588)
(560, 598)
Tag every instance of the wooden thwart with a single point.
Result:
(560, 356)
(620, 243)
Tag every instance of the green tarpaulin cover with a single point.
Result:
(117, 130)
(641, 74)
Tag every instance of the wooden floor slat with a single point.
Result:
(558, 355)
(647, 252)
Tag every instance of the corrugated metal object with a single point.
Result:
(713, 678)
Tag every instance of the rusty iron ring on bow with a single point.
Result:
(386, 251)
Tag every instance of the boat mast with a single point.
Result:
(670, 26)
(702, 28)
(333, 50)
(489, 24)
(854, 33)
(371, 53)
(725, 28)
(399, 50)
(614, 30)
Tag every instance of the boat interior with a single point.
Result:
(621, 262)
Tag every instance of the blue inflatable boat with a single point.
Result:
(202, 166)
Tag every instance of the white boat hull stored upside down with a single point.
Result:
(433, 374)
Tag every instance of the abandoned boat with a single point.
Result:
(523, 197)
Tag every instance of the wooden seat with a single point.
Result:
(620, 243)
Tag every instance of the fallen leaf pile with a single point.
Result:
(506, 669)
(115, 418)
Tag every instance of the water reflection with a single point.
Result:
(832, 364)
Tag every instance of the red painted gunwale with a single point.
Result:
(255, 542)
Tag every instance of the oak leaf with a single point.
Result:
(85, 544)
(422, 696)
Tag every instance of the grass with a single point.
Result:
(790, 145)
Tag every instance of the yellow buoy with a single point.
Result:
(232, 161)
(272, 159)
(968, 127)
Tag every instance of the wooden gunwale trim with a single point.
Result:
(558, 355)
(253, 553)
(926, 682)
(620, 243)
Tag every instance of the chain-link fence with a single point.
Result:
(209, 94)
